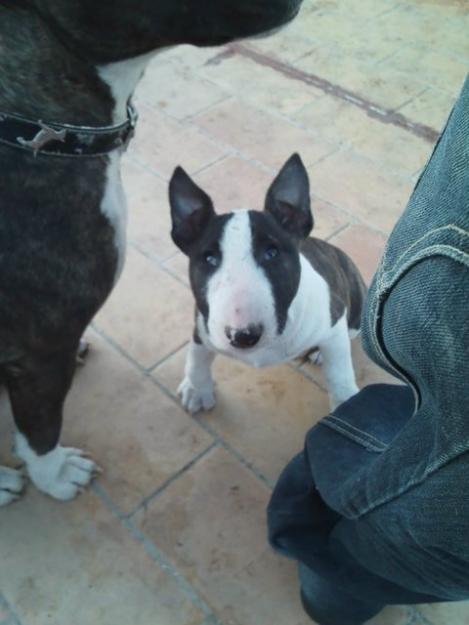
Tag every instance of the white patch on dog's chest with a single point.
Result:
(122, 78)
(114, 207)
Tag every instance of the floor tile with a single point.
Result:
(178, 93)
(263, 413)
(388, 89)
(188, 58)
(432, 108)
(210, 523)
(366, 372)
(434, 27)
(250, 131)
(327, 218)
(363, 189)
(178, 265)
(394, 149)
(149, 222)
(162, 144)
(284, 46)
(73, 562)
(235, 183)
(148, 311)
(268, 88)
(432, 67)
(364, 246)
(138, 436)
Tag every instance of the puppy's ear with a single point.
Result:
(287, 199)
(191, 208)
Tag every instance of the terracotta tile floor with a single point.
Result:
(173, 533)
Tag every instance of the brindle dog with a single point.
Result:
(61, 216)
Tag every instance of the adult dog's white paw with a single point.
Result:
(61, 473)
(11, 485)
(195, 399)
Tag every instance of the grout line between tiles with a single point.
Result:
(174, 275)
(154, 172)
(166, 357)
(376, 111)
(355, 220)
(185, 118)
(218, 439)
(304, 372)
(149, 498)
(12, 618)
(153, 258)
(156, 555)
(206, 109)
(417, 95)
(339, 230)
(208, 165)
(110, 341)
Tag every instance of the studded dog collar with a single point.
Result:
(53, 139)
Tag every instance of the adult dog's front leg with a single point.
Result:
(337, 364)
(37, 386)
(196, 389)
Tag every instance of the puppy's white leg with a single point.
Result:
(337, 365)
(60, 473)
(196, 389)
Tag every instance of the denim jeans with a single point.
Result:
(376, 508)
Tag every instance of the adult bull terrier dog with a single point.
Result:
(265, 291)
(67, 70)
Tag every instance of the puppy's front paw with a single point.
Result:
(195, 399)
(11, 485)
(62, 473)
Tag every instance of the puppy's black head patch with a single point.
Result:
(205, 259)
(276, 252)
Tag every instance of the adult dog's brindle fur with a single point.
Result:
(58, 257)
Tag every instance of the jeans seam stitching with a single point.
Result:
(364, 443)
(358, 430)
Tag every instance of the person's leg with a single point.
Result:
(328, 604)
(335, 588)
(300, 524)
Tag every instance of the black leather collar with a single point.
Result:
(54, 139)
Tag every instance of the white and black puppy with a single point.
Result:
(265, 292)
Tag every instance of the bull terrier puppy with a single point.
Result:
(265, 292)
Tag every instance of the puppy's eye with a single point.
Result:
(211, 258)
(271, 252)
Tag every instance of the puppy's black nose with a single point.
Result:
(246, 337)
